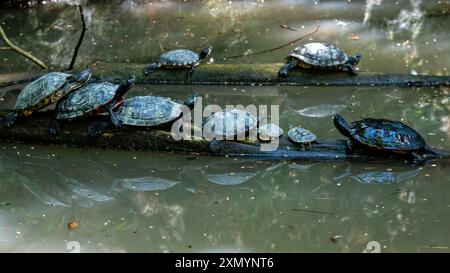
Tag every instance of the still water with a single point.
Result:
(125, 201)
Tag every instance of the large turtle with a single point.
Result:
(320, 56)
(145, 111)
(385, 137)
(94, 98)
(180, 58)
(228, 123)
(44, 91)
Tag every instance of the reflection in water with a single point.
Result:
(148, 183)
(34, 189)
(229, 179)
(83, 190)
(374, 173)
(386, 177)
(320, 111)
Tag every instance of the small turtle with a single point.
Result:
(180, 58)
(145, 111)
(384, 137)
(227, 124)
(301, 135)
(269, 131)
(320, 56)
(44, 91)
(95, 98)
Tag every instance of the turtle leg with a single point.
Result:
(350, 69)
(191, 71)
(8, 119)
(54, 127)
(284, 70)
(97, 128)
(349, 147)
(149, 69)
(418, 157)
(114, 119)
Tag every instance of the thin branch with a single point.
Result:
(21, 51)
(83, 30)
(5, 48)
(275, 48)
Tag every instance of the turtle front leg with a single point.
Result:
(54, 127)
(97, 128)
(114, 119)
(284, 70)
(350, 69)
(191, 71)
(8, 119)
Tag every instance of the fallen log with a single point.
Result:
(243, 74)
(34, 130)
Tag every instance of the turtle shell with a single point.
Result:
(41, 92)
(148, 111)
(86, 100)
(382, 134)
(230, 122)
(268, 131)
(301, 135)
(179, 57)
(320, 55)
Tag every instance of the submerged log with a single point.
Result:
(243, 74)
(34, 130)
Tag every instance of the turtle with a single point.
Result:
(320, 56)
(300, 135)
(268, 131)
(180, 58)
(94, 98)
(229, 123)
(44, 91)
(145, 111)
(383, 137)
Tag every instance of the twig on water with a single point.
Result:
(21, 51)
(315, 211)
(275, 48)
(83, 30)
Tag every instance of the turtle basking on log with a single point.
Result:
(180, 58)
(44, 91)
(320, 56)
(384, 137)
(95, 98)
(145, 111)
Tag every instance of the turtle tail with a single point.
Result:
(151, 68)
(341, 125)
(8, 119)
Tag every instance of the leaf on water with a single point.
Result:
(321, 111)
(34, 189)
(148, 183)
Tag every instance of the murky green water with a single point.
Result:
(142, 201)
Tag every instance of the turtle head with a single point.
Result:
(205, 52)
(191, 100)
(354, 60)
(78, 80)
(124, 87)
(341, 125)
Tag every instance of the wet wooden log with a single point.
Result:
(34, 130)
(243, 74)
